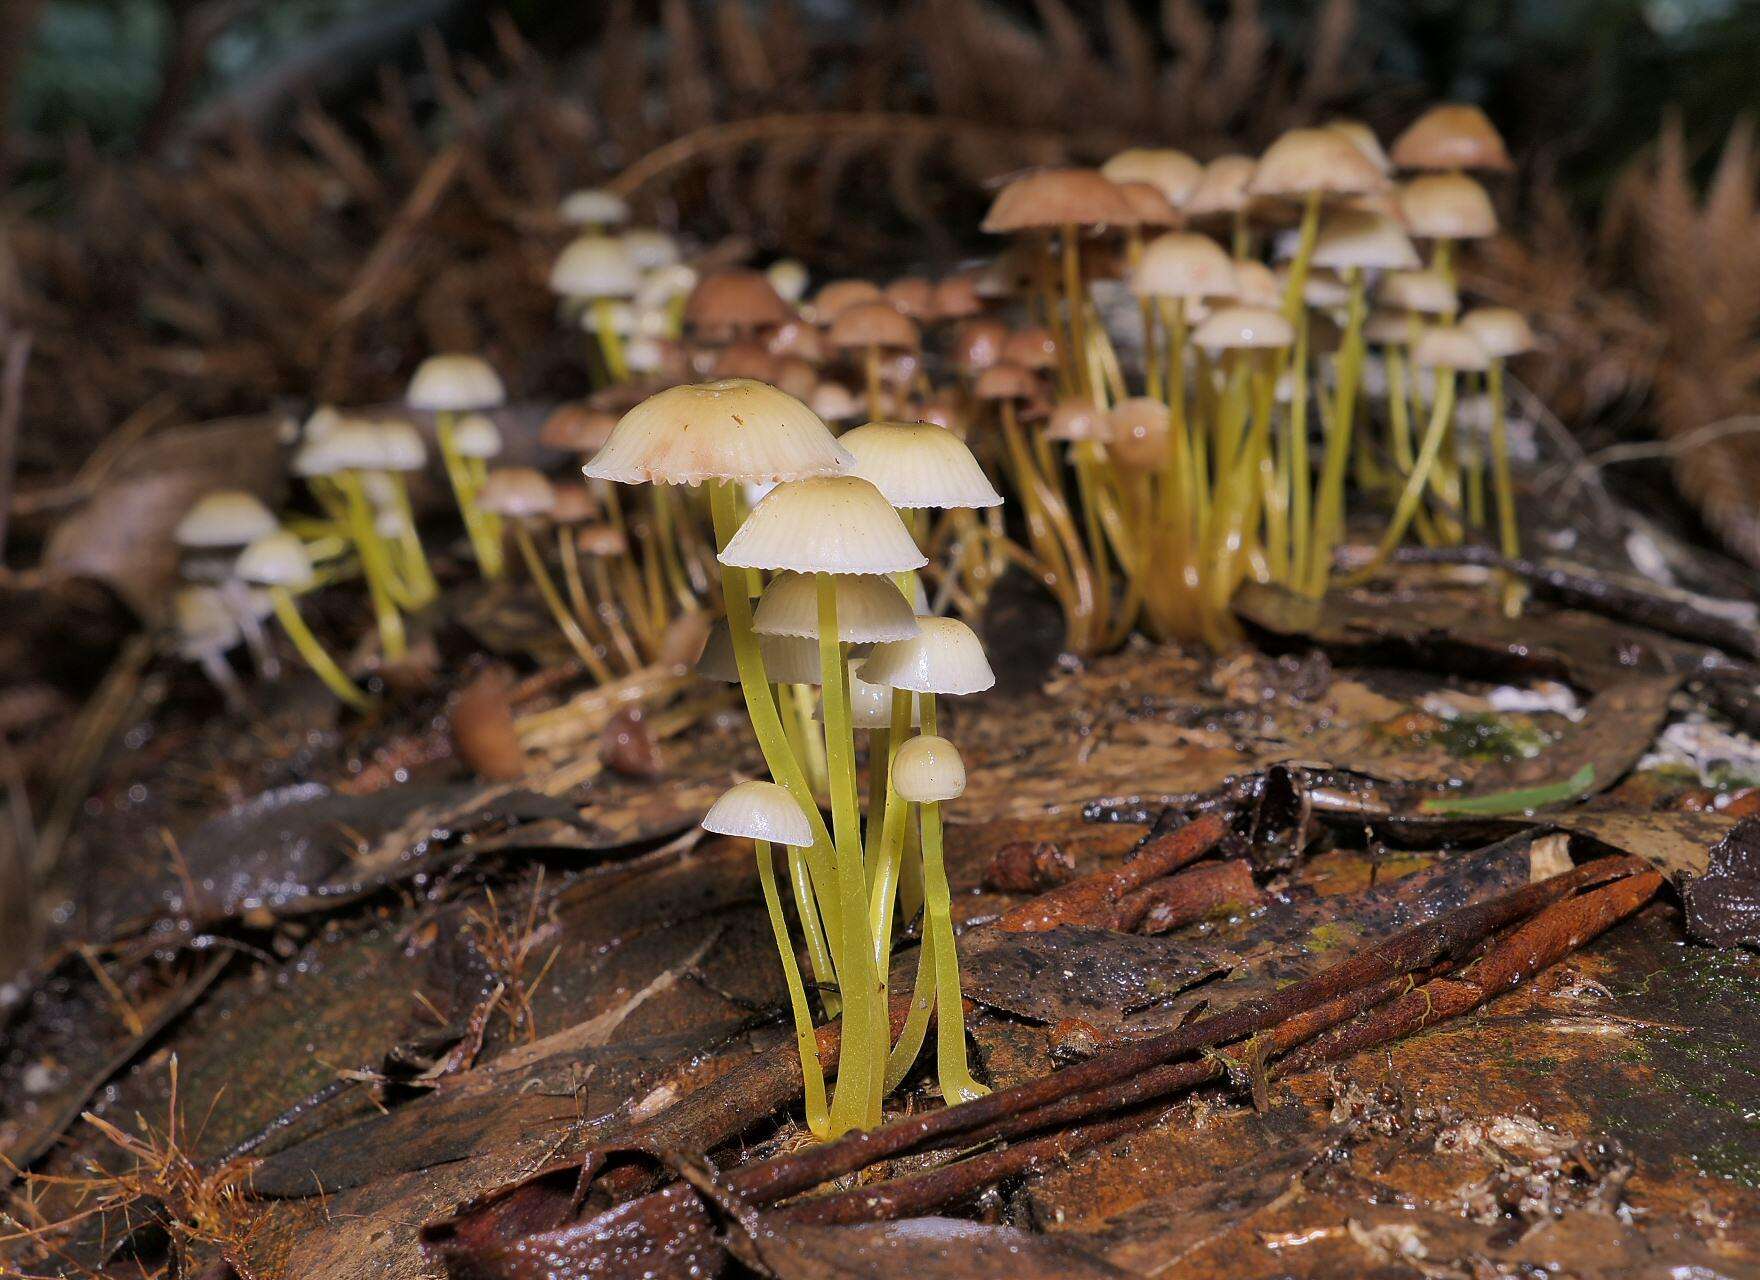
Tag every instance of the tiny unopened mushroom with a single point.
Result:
(278, 562)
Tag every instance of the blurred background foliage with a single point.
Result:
(1580, 83)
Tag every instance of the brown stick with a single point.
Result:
(1094, 899)
(1169, 904)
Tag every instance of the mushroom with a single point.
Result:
(595, 271)
(448, 386)
(872, 328)
(1503, 333)
(228, 519)
(206, 628)
(594, 207)
(1444, 208)
(278, 562)
(335, 465)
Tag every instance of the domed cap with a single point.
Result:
(663, 284)
(1074, 420)
(787, 659)
(476, 436)
(1222, 188)
(1502, 331)
(1364, 139)
(225, 518)
(573, 427)
(835, 402)
(872, 324)
(1369, 241)
(1149, 207)
(650, 248)
(276, 559)
(1055, 198)
(788, 276)
(732, 302)
(1322, 290)
(870, 607)
(1426, 292)
(759, 811)
(1184, 265)
(745, 359)
(1173, 173)
(1139, 433)
(1032, 347)
(1240, 328)
(1454, 135)
(928, 769)
(1255, 285)
(595, 266)
(978, 344)
(204, 622)
(1449, 346)
(956, 297)
(733, 429)
(829, 524)
(401, 447)
(945, 656)
(1386, 327)
(870, 705)
(1309, 160)
(837, 296)
(594, 206)
(452, 384)
(914, 296)
(1005, 382)
(918, 464)
(1451, 206)
(519, 493)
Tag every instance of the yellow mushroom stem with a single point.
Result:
(417, 574)
(806, 1043)
(1329, 506)
(553, 601)
(316, 656)
(1509, 535)
(610, 344)
(375, 566)
(1413, 494)
(484, 534)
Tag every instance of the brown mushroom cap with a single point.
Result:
(1304, 161)
(1365, 141)
(956, 298)
(872, 324)
(1078, 420)
(1139, 433)
(1222, 188)
(1448, 206)
(799, 338)
(796, 376)
(1454, 135)
(1173, 173)
(1047, 198)
(575, 503)
(977, 345)
(1149, 207)
(945, 409)
(1033, 347)
(745, 358)
(913, 296)
(728, 303)
(1005, 382)
(601, 540)
(574, 428)
(838, 296)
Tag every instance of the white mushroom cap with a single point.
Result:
(1502, 331)
(594, 206)
(519, 493)
(1447, 206)
(1364, 139)
(787, 659)
(644, 354)
(1308, 160)
(1426, 292)
(1256, 285)
(1173, 173)
(759, 811)
(225, 518)
(451, 384)
(402, 447)
(594, 266)
(663, 284)
(355, 446)
(650, 248)
(789, 278)
(1358, 238)
(869, 608)
(918, 464)
(476, 436)
(1239, 328)
(324, 419)
(928, 769)
(835, 402)
(205, 623)
(945, 656)
(827, 524)
(1184, 264)
(730, 429)
(276, 559)
(1449, 346)
(870, 705)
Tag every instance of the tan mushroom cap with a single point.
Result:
(574, 428)
(595, 266)
(759, 811)
(1172, 173)
(734, 302)
(870, 608)
(1364, 139)
(798, 337)
(1149, 207)
(927, 770)
(1449, 346)
(1427, 292)
(873, 324)
(1031, 347)
(798, 377)
(1242, 328)
(1368, 241)
(1502, 331)
(1454, 135)
(946, 409)
(574, 503)
(918, 464)
(1447, 206)
(827, 524)
(1005, 382)
(956, 297)
(835, 402)
(1255, 285)
(1184, 265)
(1386, 327)
(837, 296)
(1303, 161)
(787, 659)
(601, 540)
(1078, 420)
(1140, 436)
(730, 429)
(913, 296)
(977, 344)
(1222, 188)
(453, 383)
(1048, 198)
(744, 358)
(519, 493)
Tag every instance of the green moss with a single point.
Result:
(1489, 736)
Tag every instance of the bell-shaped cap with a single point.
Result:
(574, 427)
(956, 297)
(1426, 292)
(1449, 346)
(401, 447)
(914, 296)
(662, 285)
(835, 402)
(1240, 328)
(870, 607)
(1031, 347)
(1367, 241)
(1222, 188)
(787, 659)
(593, 206)
(1173, 173)
(1077, 420)
(870, 705)
(1447, 206)
(1139, 433)
(873, 324)
(1184, 265)
(205, 623)
(1303, 161)
(1057, 197)
(918, 464)
(1255, 285)
(595, 266)
(1150, 209)
(1502, 331)
(1386, 327)
(837, 296)
(745, 359)
(650, 249)
(454, 383)
(476, 436)
(759, 811)
(927, 769)
(1004, 381)
(1453, 135)
(977, 344)
(789, 277)
(1364, 139)
(225, 518)
(731, 429)
(945, 656)
(828, 524)
(519, 493)
(734, 302)
(276, 559)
